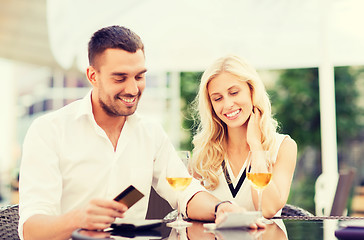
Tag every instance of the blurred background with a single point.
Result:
(310, 55)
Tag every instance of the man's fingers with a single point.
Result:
(98, 226)
(110, 204)
(100, 213)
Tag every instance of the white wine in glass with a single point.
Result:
(179, 183)
(259, 180)
(179, 179)
(259, 173)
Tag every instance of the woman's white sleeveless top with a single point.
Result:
(244, 196)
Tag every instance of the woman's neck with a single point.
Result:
(237, 148)
(236, 138)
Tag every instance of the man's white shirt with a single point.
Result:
(68, 160)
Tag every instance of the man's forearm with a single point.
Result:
(50, 227)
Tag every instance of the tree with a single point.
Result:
(190, 82)
(295, 101)
(348, 110)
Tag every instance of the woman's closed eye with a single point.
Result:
(234, 93)
(216, 99)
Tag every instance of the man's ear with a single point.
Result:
(91, 75)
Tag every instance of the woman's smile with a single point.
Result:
(233, 115)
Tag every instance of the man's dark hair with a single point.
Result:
(116, 37)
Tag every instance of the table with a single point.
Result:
(279, 230)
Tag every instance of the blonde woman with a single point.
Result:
(235, 117)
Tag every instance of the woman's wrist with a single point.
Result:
(218, 204)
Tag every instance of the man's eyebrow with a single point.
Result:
(119, 74)
(143, 71)
(125, 74)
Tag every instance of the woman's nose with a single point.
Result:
(229, 102)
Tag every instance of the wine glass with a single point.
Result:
(179, 179)
(259, 173)
(178, 234)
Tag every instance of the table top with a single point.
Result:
(280, 229)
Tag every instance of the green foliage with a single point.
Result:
(302, 194)
(295, 102)
(347, 110)
(190, 82)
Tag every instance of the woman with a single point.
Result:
(235, 117)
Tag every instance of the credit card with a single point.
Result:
(129, 196)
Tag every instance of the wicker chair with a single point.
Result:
(9, 220)
(290, 210)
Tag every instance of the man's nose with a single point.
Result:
(131, 87)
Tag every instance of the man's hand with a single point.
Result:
(100, 213)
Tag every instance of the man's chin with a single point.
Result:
(128, 112)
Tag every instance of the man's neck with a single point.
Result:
(112, 125)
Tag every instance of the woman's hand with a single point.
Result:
(254, 133)
(229, 207)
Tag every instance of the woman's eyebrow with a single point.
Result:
(235, 86)
(213, 94)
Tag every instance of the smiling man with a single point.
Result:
(78, 158)
(118, 80)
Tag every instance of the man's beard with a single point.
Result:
(113, 112)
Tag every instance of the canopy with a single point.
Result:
(189, 34)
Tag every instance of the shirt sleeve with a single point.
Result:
(166, 154)
(40, 181)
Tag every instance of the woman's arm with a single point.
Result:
(275, 195)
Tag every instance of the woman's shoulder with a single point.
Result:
(284, 139)
(288, 146)
(287, 141)
(284, 143)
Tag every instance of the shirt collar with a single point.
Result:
(85, 107)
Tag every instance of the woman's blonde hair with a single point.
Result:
(208, 142)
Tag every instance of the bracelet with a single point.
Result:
(217, 205)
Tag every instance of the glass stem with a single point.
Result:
(179, 216)
(260, 201)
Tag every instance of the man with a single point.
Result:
(77, 159)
